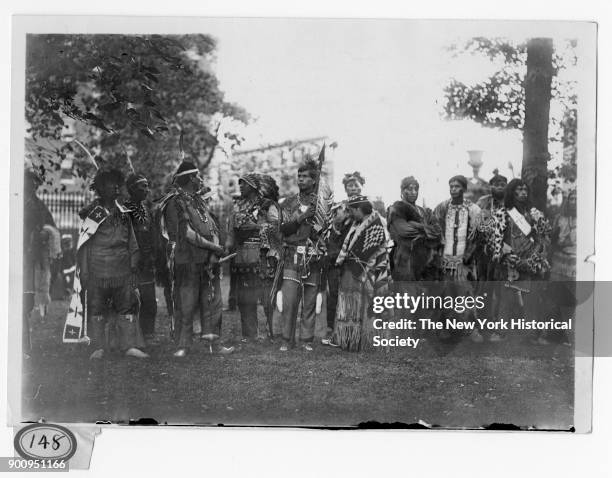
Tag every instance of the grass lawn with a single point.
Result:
(470, 385)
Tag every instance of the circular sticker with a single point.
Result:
(43, 441)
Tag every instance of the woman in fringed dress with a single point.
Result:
(364, 259)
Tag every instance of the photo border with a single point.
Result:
(585, 32)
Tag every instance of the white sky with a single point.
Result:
(375, 87)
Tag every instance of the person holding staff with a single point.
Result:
(305, 216)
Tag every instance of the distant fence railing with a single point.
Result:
(65, 207)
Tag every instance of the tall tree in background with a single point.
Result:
(518, 96)
(124, 96)
(537, 114)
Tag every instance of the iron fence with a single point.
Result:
(65, 207)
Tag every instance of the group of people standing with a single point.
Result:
(501, 246)
(289, 255)
(298, 254)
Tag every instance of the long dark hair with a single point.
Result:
(509, 195)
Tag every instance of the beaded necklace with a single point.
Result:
(200, 208)
(139, 211)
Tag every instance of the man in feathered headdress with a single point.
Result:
(194, 249)
(253, 234)
(305, 216)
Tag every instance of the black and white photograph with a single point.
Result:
(328, 223)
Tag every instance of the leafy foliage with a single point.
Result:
(125, 96)
(499, 100)
(569, 166)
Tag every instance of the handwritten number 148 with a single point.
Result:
(44, 441)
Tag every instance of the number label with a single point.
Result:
(45, 441)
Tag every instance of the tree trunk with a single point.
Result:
(209, 157)
(537, 112)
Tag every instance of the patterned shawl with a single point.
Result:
(366, 246)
